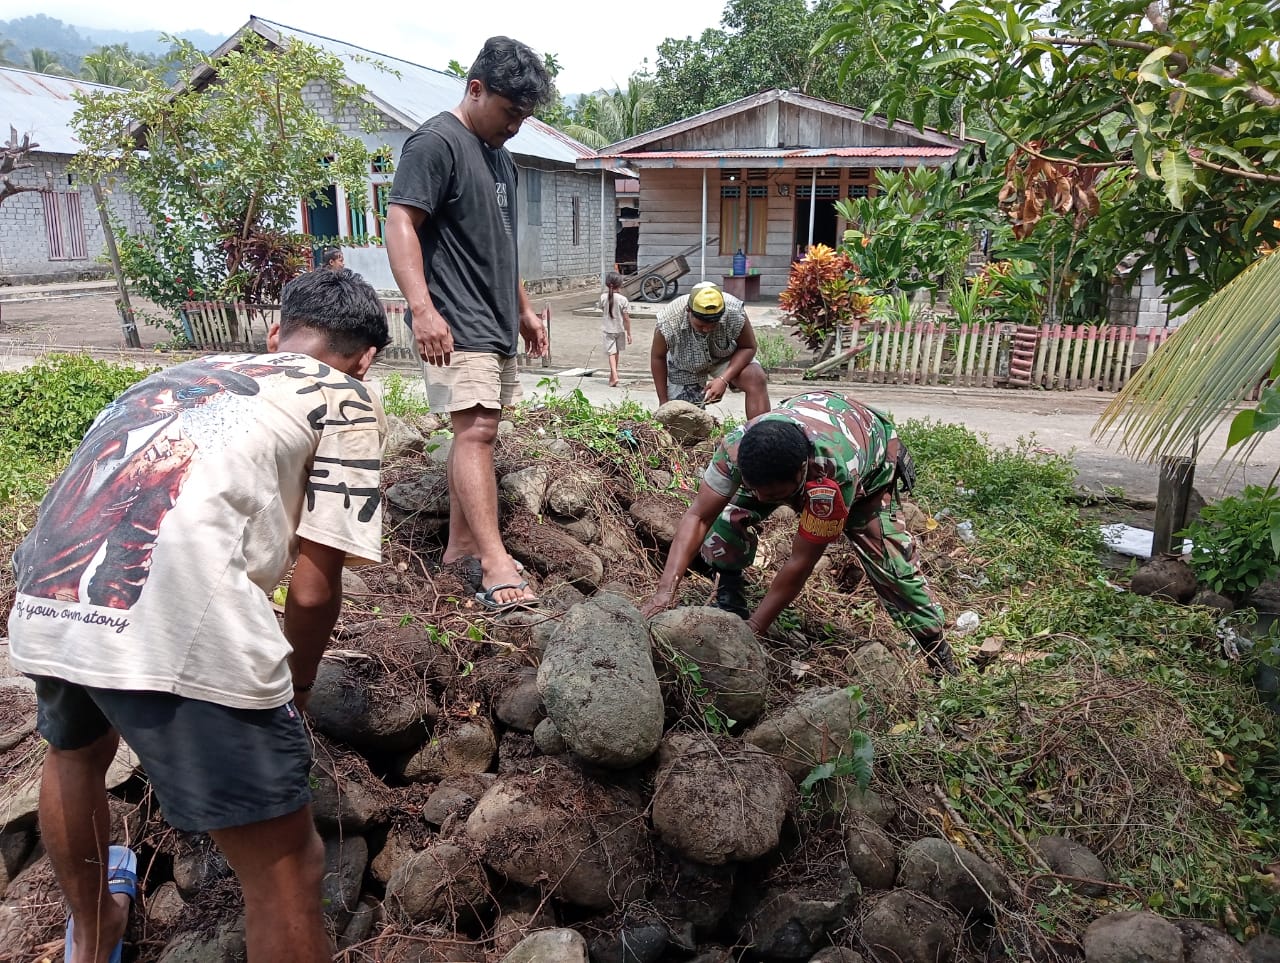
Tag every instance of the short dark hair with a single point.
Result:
(511, 69)
(340, 303)
(330, 255)
(772, 450)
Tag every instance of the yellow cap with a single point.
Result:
(707, 303)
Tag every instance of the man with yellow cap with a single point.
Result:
(706, 335)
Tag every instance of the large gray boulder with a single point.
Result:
(355, 703)
(345, 860)
(717, 801)
(729, 657)
(871, 854)
(348, 796)
(1207, 944)
(526, 488)
(426, 493)
(444, 883)
(598, 684)
(225, 943)
(687, 423)
(905, 927)
(948, 874)
(581, 839)
(456, 794)
(818, 727)
(1140, 937)
(574, 494)
(467, 748)
(402, 438)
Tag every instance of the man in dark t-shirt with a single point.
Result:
(451, 238)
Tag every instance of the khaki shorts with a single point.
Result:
(614, 343)
(472, 379)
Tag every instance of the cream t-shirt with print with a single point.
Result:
(611, 322)
(152, 556)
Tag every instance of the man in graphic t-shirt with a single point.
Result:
(839, 465)
(143, 609)
(452, 243)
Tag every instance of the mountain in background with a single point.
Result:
(73, 41)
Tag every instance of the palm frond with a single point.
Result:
(1193, 382)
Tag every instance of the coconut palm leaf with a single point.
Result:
(1211, 364)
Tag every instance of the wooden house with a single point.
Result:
(762, 176)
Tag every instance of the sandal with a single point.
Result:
(469, 569)
(122, 877)
(486, 598)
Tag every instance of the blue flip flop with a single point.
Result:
(122, 877)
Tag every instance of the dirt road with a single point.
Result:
(1058, 421)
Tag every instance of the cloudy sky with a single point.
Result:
(597, 49)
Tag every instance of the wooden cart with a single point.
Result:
(661, 281)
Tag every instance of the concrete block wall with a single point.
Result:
(24, 242)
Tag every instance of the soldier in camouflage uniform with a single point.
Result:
(839, 465)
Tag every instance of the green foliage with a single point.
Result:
(762, 44)
(44, 412)
(224, 165)
(774, 349)
(689, 675)
(1020, 502)
(1123, 727)
(1183, 105)
(609, 117)
(398, 400)
(1237, 542)
(917, 231)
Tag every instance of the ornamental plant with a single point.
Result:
(823, 291)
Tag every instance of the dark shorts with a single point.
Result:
(212, 767)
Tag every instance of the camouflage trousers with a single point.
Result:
(876, 528)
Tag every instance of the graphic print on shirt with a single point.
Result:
(95, 540)
(504, 204)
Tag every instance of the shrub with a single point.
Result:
(46, 409)
(822, 292)
(1236, 547)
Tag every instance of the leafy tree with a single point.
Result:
(46, 62)
(614, 116)
(221, 168)
(762, 44)
(1183, 103)
(6, 47)
(115, 65)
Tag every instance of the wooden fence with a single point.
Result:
(997, 354)
(236, 326)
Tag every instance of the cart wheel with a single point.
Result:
(652, 287)
(672, 288)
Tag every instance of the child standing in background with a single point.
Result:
(615, 313)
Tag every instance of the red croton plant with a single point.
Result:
(822, 292)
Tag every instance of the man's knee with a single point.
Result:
(752, 379)
(476, 426)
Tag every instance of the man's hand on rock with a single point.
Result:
(659, 601)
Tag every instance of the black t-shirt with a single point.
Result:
(469, 252)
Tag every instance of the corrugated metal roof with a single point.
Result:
(42, 105)
(767, 157)
(419, 93)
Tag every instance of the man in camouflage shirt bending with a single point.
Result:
(839, 465)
